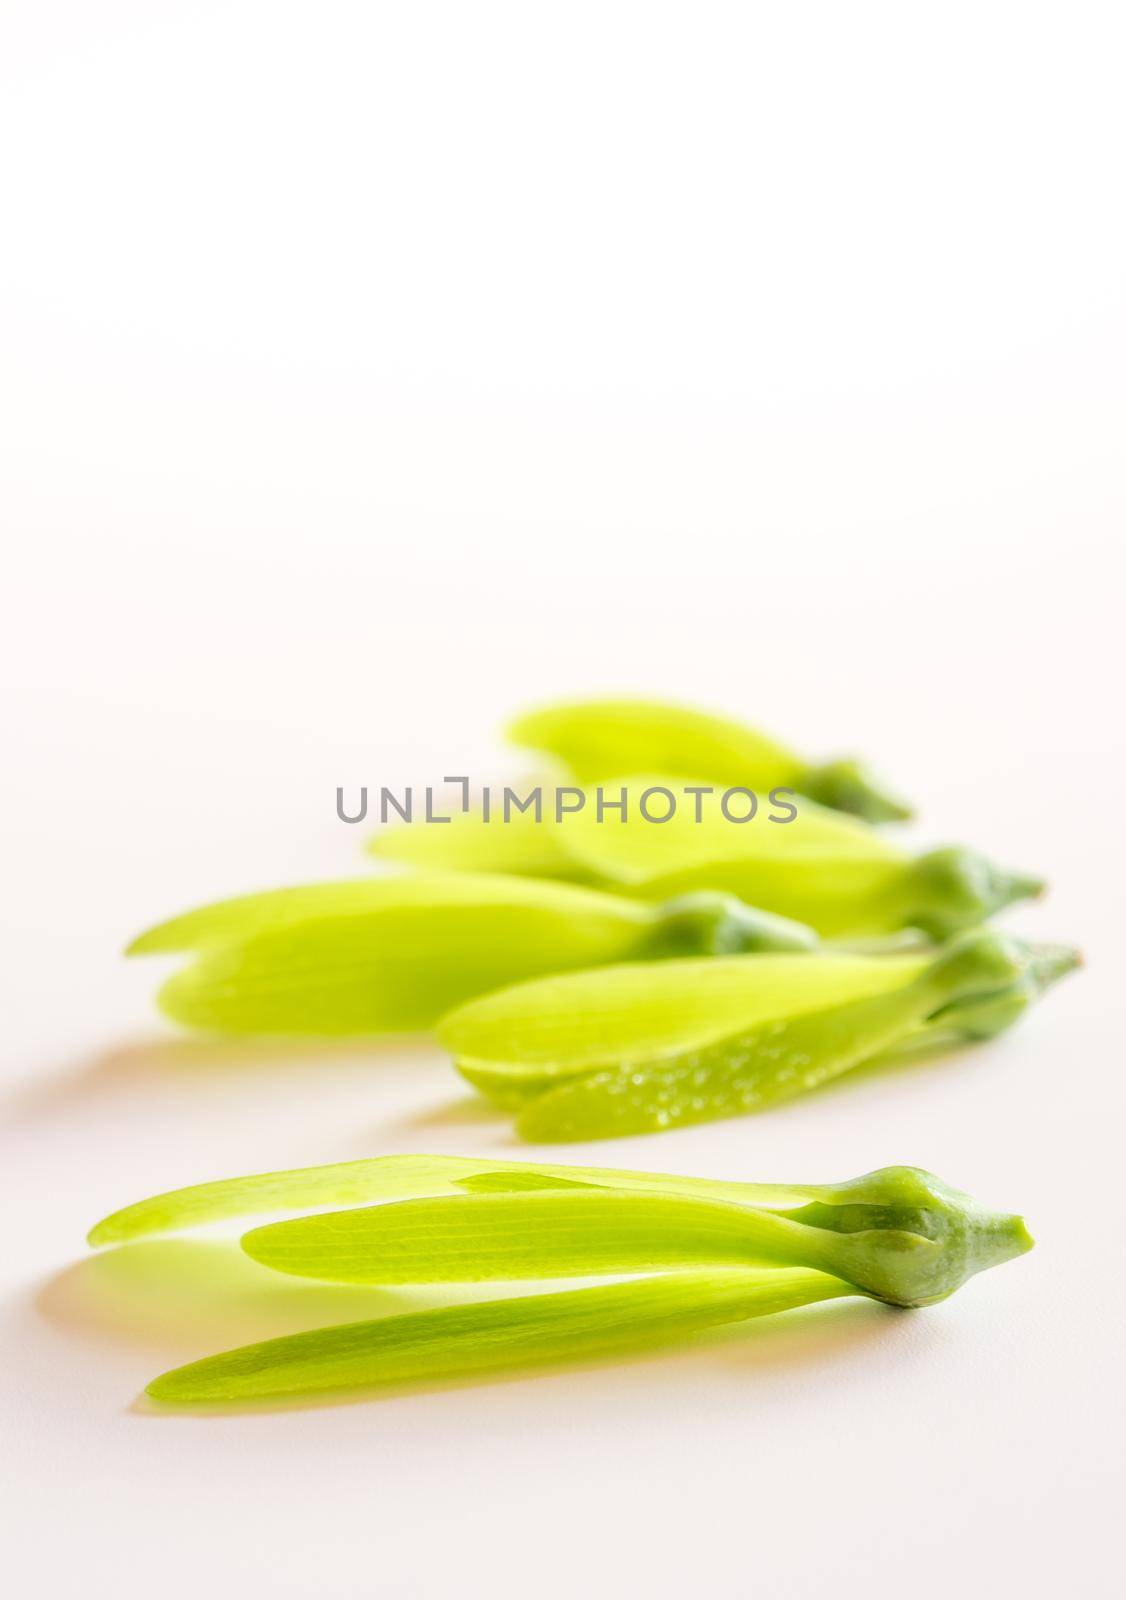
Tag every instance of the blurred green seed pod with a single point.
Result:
(393, 954)
(817, 867)
(599, 739)
(627, 1051)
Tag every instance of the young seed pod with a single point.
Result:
(393, 954)
(899, 1235)
(800, 861)
(721, 1252)
(626, 1051)
(600, 739)
(826, 870)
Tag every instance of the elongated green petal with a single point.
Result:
(247, 914)
(496, 1335)
(598, 739)
(731, 1078)
(399, 956)
(364, 898)
(821, 869)
(394, 953)
(633, 1012)
(572, 1232)
(599, 1054)
(899, 1234)
(842, 898)
(853, 897)
(629, 849)
(352, 1183)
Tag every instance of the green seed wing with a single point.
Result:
(597, 739)
(546, 1233)
(496, 1335)
(246, 915)
(394, 958)
(355, 1183)
(734, 1077)
(574, 1023)
(636, 850)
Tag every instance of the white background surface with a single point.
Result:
(370, 370)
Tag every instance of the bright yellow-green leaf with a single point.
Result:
(598, 739)
(544, 1233)
(635, 850)
(824, 870)
(389, 954)
(632, 1050)
(496, 1335)
(353, 1183)
(395, 897)
(584, 1020)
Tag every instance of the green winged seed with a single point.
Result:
(626, 1051)
(429, 1219)
(389, 954)
(819, 868)
(825, 870)
(724, 1252)
(600, 739)
(900, 1235)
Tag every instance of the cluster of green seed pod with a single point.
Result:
(596, 968)
(601, 973)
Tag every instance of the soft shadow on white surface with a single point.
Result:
(175, 1294)
(465, 1110)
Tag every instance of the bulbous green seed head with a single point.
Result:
(957, 888)
(979, 1016)
(848, 785)
(903, 1236)
(980, 962)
